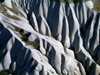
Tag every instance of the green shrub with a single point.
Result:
(25, 39)
(10, 71)
(1, 1)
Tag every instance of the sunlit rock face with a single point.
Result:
(49, 37)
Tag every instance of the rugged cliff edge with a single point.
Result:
(46, 37)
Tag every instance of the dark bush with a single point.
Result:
(3, 72)
(1, 1)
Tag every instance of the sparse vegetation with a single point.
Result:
(10, 71)
(25, 38)
(1, 1)
(3, 72)
(6, 72)
(36, 44)
(96, 5)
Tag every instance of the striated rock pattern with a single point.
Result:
(46, 37)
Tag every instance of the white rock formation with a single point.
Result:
(43, 37)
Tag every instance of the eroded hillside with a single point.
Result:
(44, 37)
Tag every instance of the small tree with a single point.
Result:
(1, 1)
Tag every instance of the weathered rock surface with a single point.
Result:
(46, 37)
